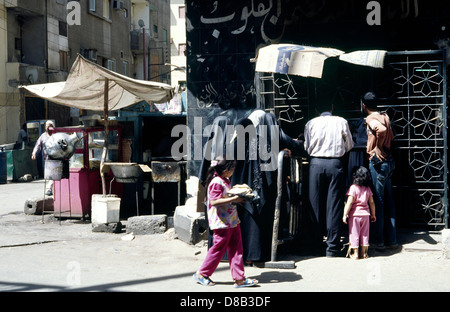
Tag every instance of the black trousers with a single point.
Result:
(326, 194)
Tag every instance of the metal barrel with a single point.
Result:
(56, 169)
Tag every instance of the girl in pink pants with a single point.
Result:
(359, 215)
(224, 222)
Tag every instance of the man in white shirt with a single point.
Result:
(327, 140)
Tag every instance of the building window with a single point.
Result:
(111, 65)
(181, 49)
(181, 12)
(63, 61)
(62, 29)
(90, 54)
(107, 9)
(92, 5)
(164, 36)
(125, 68)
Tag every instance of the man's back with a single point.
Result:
(327, 136)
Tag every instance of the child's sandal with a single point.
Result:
(247, 283)
(349, 251)
(205, 281)
(352, 255)
(364, 253)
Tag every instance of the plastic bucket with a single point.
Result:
(105, 209)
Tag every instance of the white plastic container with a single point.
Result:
(105, 209)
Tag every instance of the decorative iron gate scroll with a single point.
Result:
(418, 110)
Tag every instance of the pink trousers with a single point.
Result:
(358, 228)
(225, 240)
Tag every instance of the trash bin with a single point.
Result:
(3, 172)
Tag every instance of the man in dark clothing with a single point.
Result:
(381, 165)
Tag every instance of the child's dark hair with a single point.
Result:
(361, 176)
(218, 166)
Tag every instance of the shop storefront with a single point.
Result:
(223, 38)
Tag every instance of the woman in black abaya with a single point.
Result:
(216, 145)
(247, 171)
(261, 175)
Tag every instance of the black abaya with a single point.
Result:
(257, 217)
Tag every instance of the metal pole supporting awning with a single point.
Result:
(90, 86)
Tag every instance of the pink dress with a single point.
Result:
(359, 216)
(221, 217)
(227, 237)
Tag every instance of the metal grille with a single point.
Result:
(415, 90)
(418, 113)
(287, 97)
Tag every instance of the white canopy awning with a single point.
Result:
(308, 61)
(85, 88)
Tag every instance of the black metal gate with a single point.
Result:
(413, 85)
(418, 111)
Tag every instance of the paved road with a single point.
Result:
(14, 195)
(68, 256)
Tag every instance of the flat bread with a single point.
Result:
(241, 190)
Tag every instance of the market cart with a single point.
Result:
(72, 196)
(92, 87)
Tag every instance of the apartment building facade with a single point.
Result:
(150, 39)
(41, 39)
(178, 42)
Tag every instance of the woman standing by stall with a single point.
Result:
(40, 146)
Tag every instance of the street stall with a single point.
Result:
(95, 88)
(412, 86)
(283, 89)
(72, 196)
(147, 129)
(151, 143)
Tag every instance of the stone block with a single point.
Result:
(190, 227)
(115, 227)
(142, 225)
(192, 186)
(36, 204)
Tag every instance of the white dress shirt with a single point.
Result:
(328, 136)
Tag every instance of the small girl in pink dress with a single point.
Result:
(359, 215)
(224, 222)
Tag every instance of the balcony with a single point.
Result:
(25, 7)
(137, 41)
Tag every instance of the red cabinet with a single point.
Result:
(72, 196)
